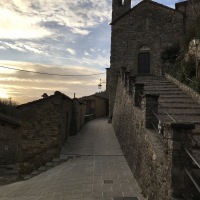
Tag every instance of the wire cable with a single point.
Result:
(44, 73)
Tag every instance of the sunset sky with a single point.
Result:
(58, 37)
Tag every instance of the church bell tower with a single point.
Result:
(119, 7)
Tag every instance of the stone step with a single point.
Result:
(166, 89)
(42, 169)
(49, 165)
(171, 86)
(27, 177)
(35, 172)
(178, 106)
(178, 113)
(63, 157)
(165, 96)
(165, 92)
(180, 101)
(178, 110)
(156, 83)
(56, 161)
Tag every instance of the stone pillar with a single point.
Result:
(175, 139)
(130, 83)
(150, 107)
(126, 77)
(138, 90)
(107, 78)
(122, 73)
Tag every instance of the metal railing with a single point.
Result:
(185, 80)
(192, 178)
(158, 125)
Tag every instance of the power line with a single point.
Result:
(49, 74)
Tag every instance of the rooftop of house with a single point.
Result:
(102, 95)
(45, 97)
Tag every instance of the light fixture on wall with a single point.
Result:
(100, 85)
(196, 42)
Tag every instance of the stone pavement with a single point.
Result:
(97, 170)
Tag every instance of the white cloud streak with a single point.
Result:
(71, 51)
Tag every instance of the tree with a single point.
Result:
(8, 107)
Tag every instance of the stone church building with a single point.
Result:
(140, 34)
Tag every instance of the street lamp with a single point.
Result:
(100, 85)
(196, 42)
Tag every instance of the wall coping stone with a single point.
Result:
(195, 95)
(180, 125)
(151, 95)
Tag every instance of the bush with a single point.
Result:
(170, 54)
(8, 107)
(188, 67)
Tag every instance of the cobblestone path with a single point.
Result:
(97, 170)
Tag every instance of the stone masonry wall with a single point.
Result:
(142, 149)
(45, 128)
(78, 118)
(9, 136)
(157, 160)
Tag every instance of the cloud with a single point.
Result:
(87, 54)
(23, 87)
(24, 47)
(2, 47)
(15, 25)
(11, 46)
(71, 51)
(26, 19)
(33, 49)
(80, 31)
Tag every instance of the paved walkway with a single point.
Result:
(98, 171)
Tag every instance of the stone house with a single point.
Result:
(9, 137)
(97, 104)
(78, 116)
(45, 127)
(140, 34)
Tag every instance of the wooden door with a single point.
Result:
(144, 63)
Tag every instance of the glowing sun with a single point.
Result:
(3, 94)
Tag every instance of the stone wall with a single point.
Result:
(78, 118)
(157, 161)
(45, 127)
(191, 11)
(9, 137)
(97, 104)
